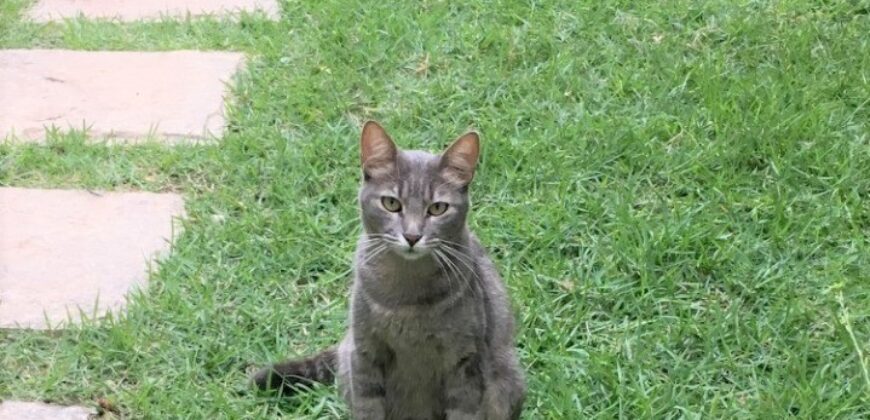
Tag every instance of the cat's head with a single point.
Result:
(415, 202)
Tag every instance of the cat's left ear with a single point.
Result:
(377, 151)
(460, 159)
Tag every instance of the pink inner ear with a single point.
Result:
(458, 168)
(465, 159)
(460, 159)
(377, 150)
(379, 168)
(467, 147)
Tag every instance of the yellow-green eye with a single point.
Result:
(392, 204)
(437, 209)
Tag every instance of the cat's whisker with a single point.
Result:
(461, 280)
(459, 255)
(467, 263)
(378, 250)
(370, 258)
(457, 245)
(448, 241)
(460, 252)
(369, 246)
(438, 260)
(382, 237)
(378, 236)
(370, 238)
(453, 277)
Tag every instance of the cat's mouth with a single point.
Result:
(411, 253)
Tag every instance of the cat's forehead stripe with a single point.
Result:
(416, 173)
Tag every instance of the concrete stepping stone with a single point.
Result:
(131, 10)
(21, 410)
(172, 96)
(66, 250)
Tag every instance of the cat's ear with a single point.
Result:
(377, 151)
(460, 159)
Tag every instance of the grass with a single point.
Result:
(677, 194)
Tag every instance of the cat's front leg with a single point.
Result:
(368, 393)
(464, 389)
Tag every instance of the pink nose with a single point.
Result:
(412, 239)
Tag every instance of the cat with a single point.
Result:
(431, 331)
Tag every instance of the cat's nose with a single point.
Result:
(412, 238)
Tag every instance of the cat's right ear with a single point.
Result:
(460, 159)
(377, 151)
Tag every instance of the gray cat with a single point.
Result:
(431, 332)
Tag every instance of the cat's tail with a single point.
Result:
(288, 374)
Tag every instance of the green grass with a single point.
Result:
(677, 194)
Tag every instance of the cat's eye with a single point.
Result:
(437, 209)
(391, 204)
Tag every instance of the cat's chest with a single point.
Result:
(425, 334)
(413, 334)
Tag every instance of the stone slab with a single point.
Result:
(22, 410)
(65, 250)
(177, 95)
(132, 10)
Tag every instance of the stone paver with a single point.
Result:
(20, 410)
(61, 250)
(128, 95)
(130, 10)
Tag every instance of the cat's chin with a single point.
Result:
(411, 254)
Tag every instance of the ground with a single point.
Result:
(677, 194)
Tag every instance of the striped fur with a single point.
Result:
(288, 375)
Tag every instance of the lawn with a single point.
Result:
(676, 193)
